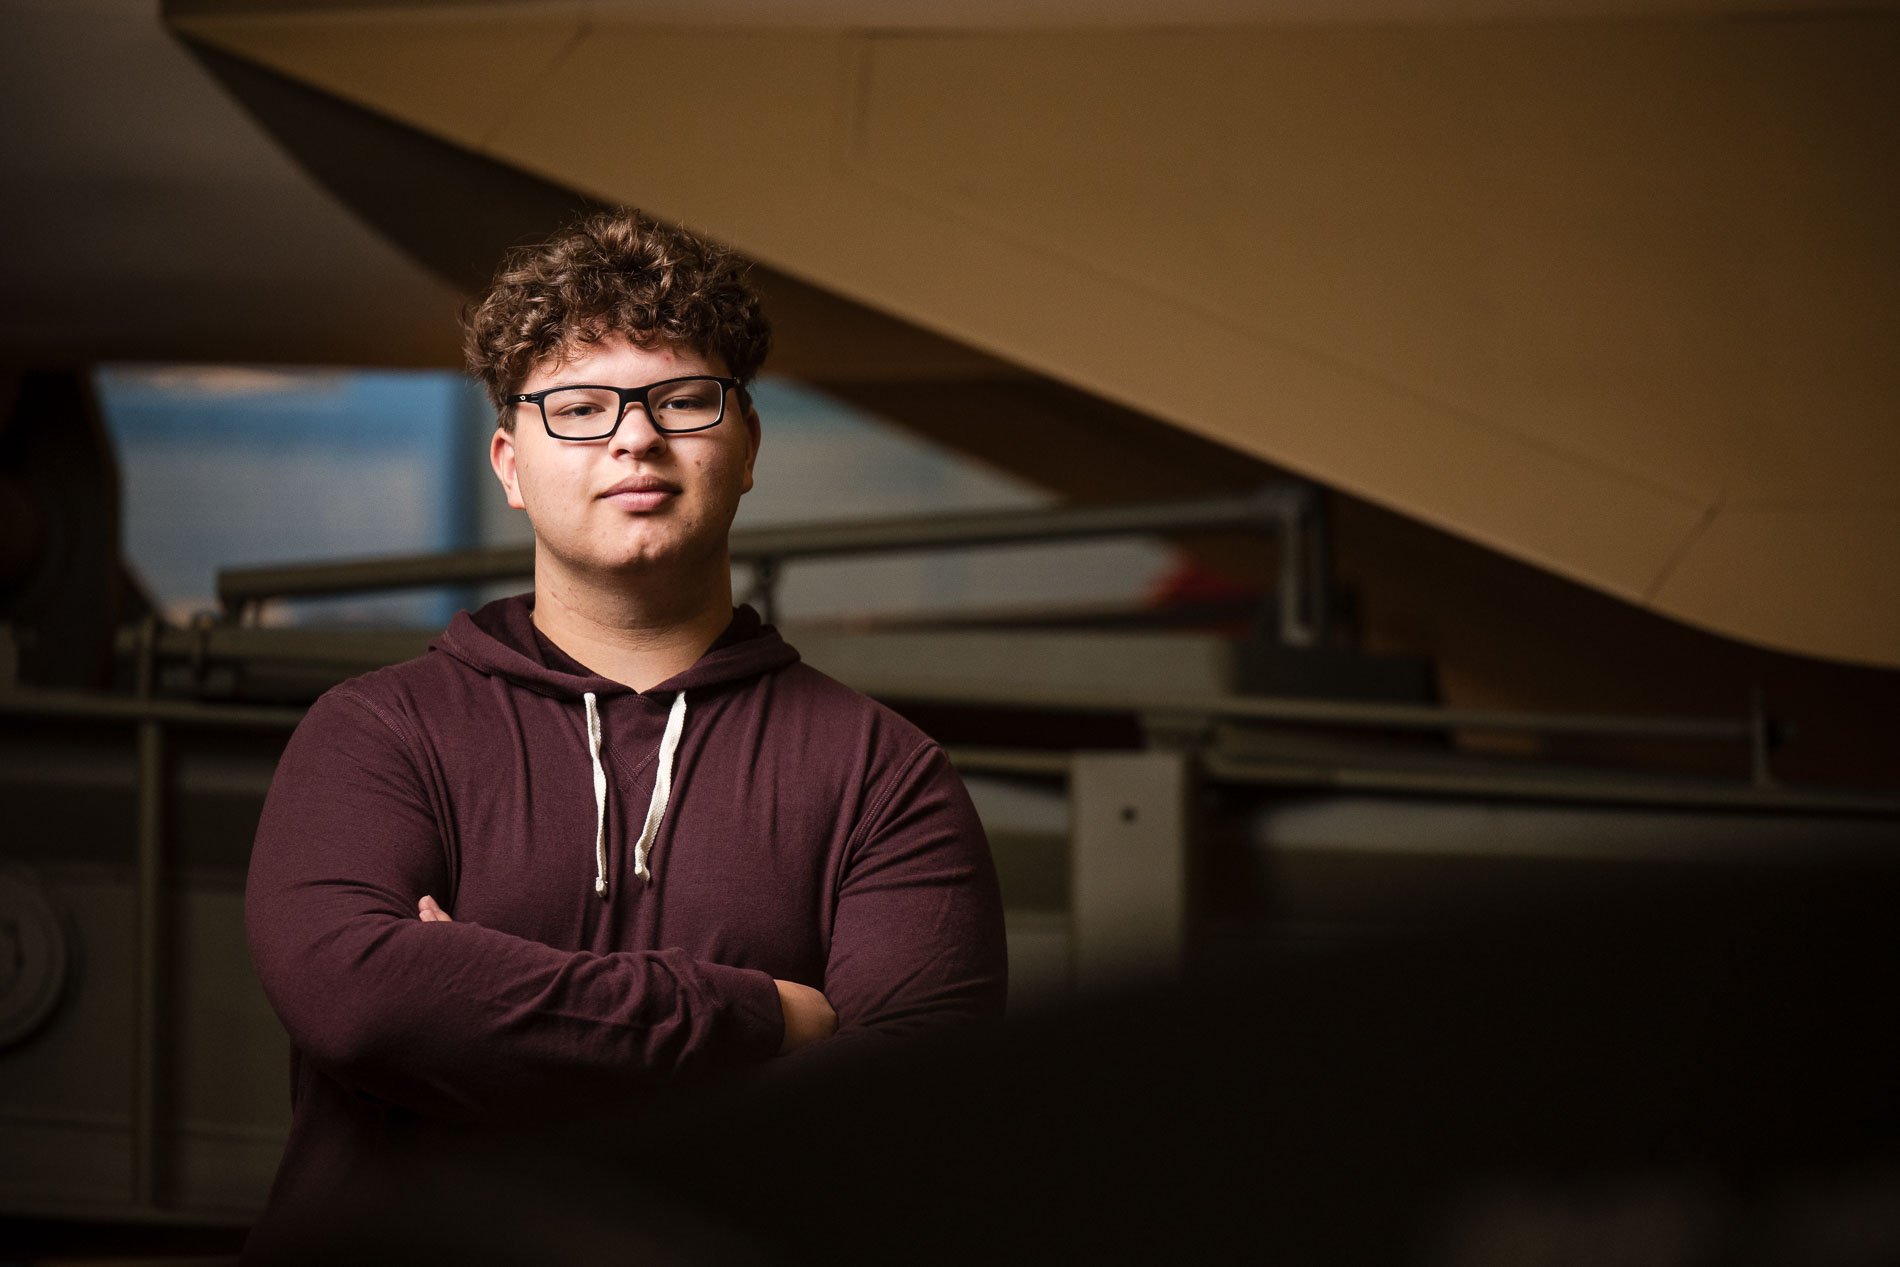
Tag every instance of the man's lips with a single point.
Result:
(641, 492)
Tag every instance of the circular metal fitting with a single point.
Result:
(34, 957)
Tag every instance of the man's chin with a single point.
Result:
(651, 557)
(638, 554)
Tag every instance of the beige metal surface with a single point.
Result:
(1585, 292)
(1782, 542)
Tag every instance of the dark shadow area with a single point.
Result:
(62, 1240)
(1620, 1085)
(63, 586)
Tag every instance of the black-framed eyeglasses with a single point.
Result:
(592, 411)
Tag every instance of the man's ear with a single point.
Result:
(752, 440)
(501, 456)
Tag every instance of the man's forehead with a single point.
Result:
(584, 347)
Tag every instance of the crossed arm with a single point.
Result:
(452, 1019)
(809, 1017)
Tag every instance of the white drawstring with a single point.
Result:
(662, 790)
(662, 786)
(600, 795)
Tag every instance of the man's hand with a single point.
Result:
(808, 1015)
(431, 913)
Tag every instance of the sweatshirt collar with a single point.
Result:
(500, 640)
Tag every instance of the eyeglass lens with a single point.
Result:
(588, 413)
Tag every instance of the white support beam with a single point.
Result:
(1131, 817)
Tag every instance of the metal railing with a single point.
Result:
(1298, 609)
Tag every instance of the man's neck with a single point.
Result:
(638, 631)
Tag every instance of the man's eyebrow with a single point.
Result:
(635, 386)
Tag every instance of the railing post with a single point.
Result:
(765, 570)
(148, 1058)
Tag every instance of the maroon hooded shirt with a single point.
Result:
(810, 834)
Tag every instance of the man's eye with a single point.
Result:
(577, 411)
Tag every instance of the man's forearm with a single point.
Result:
(807, 1014)
(463, 1021)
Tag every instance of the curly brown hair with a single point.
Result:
(613, 272)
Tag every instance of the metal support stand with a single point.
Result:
(147, 1055)
(764, 595)
(1130, 817)
(1761, 741)
(1298, 609)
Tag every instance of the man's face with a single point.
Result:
(640, 497)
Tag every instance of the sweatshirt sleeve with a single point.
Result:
(917, 941)
(454, 1020)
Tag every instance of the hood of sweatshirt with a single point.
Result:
(501, 641)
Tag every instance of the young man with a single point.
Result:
(613, 832)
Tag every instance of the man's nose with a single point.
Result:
(636, 434)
